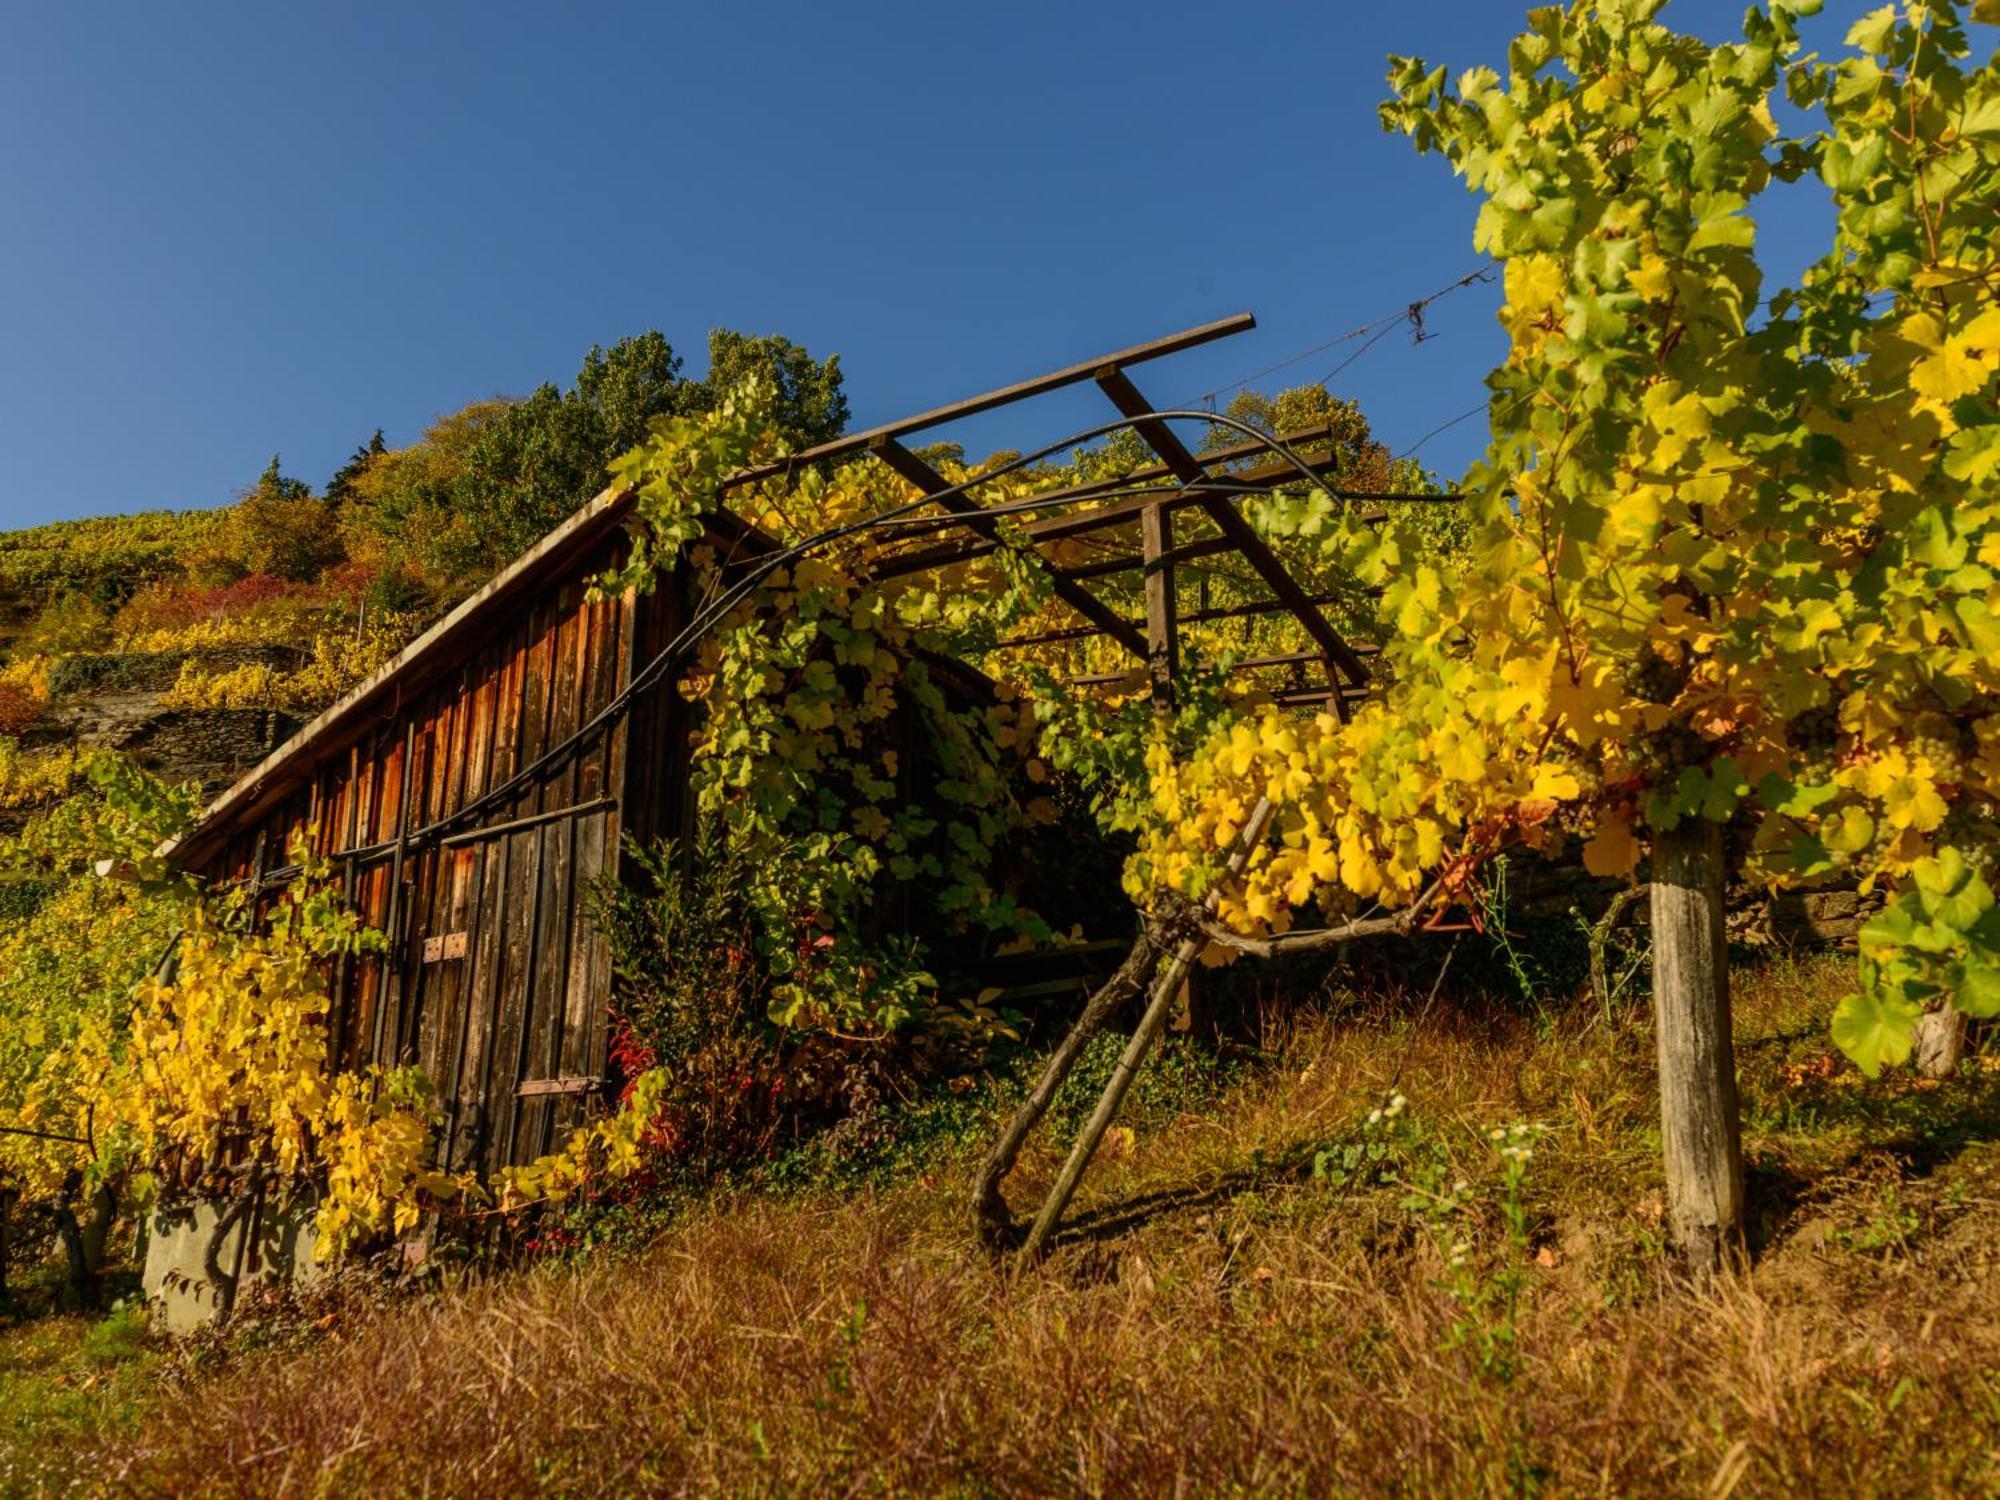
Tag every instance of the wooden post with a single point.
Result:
(1698, 1100)
(1166, 987)
(990, 1215)
(1156, 533)
(1163, 653)
(1940, 1042)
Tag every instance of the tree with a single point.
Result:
(1363, 463)
(341, 486)
(809, 405)
(283, 529)
(487, 482)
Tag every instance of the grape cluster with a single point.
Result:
(1671, 749)
(1970, 830)
(1657, 679)
(1943, 742)
(1816, 731)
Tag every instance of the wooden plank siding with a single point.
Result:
(528, 1002)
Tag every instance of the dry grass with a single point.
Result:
(1225, 1321)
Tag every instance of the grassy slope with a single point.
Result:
(1226, 1320)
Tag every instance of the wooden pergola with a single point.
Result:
(1150, 501)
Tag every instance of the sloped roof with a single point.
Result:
(410, 671)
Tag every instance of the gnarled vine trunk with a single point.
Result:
(990, 1215)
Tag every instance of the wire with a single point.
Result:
(1412, 312)
(1384, 333)
(1464, 416)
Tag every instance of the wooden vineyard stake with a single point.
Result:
(1698, 1101)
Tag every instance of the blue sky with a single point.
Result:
(236, 229)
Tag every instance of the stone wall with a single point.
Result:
(112, 701)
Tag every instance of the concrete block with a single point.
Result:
(200, 1255)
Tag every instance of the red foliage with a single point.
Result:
(631, 1054)
(18, 708)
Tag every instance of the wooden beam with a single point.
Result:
(855, 442)
(1249, 663)
(1193, 617)
(1123, 511)
(1075, 595)
(1125, 563)
(1174, 454)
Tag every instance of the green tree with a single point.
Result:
(341, 486)
(284, 529)
(810, 406)
(487, 482)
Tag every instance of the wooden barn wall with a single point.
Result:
(513, 1028)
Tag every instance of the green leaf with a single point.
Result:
(1981, 119)
(1733, 230)
(1892, 927)
(1872, 32)
(1874, 1029)
(1977, 991)
(1794, 800)
(1952, 893)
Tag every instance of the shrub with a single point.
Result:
(693, 999)
(18, 708)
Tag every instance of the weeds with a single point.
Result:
(1318, 1272)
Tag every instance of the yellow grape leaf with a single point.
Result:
(1853, 831)
(1913, 802)
(1952, 372)
(1652, 278)
(1555, 785)
(1611, 850)
(1534, 284)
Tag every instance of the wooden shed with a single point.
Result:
(469, 792)
(423, 788)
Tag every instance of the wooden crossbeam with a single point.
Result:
(1121, 512)
(1117, 385)
(856, 442)
(1248, 664)
(1072, 593)
(1193, 617)
(1126, 562)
